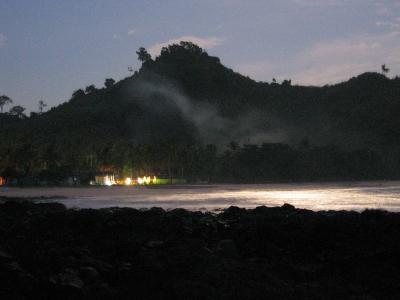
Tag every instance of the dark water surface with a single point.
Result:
(324, 196)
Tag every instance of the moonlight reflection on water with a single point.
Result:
(326, 196)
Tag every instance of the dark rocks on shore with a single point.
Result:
(50, 252)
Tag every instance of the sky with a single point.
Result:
(49, 48)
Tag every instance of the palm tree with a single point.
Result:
(42, 105)
(4, 100)
(385, 69)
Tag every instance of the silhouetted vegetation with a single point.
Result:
(4, 100)
(180, 111)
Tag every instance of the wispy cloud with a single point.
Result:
(388, 24)
(320, 3)
(3, 40)
(203, 42)
(385, 8)
(332, 61)
(132, 31)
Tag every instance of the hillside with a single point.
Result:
(166, 113)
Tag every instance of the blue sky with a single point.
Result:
(49, 48)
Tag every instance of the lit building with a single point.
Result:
(105, 180)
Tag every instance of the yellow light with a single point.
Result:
(146, 180)
(128, 181)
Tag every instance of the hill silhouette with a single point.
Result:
(184, 107)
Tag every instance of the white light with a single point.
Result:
(109, 180)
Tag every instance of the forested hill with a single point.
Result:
(184, 98)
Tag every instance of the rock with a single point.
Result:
(268, 252)
(102, 267)
(289, 207)
(52, 206)
(155, 244)
(20, 276)
(194, 290)
(5, 256)
(68, 278)
(157, 211)
(124, 267)
(89, 274)
(233, 211)
(227, 249)
(98, 291)
(262, 210)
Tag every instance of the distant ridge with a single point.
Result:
(187, 97)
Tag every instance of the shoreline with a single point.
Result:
(356, 196)
(281, 182)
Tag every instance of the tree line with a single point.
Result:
(348, 130)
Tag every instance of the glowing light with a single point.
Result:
(109, 180)
(128, 181)
(146, 180)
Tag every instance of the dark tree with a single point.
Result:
(143, 55)
(287, 82)
(4, 100)
(233, 146)
(17, 111)
(78, 93)
(41, 106)
(33, 114)
(90, 89)
(109, 83)
(385, 70)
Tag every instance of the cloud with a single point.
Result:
(203, 42)
(387, 8)
(332, 61)
(131, 31)
(3, 40)
(387, 24)
(321, 3)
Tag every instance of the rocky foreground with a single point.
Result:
(50, 252)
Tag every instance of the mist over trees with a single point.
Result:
(186, 114)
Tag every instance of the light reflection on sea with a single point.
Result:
(324, 196)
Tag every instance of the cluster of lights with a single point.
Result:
(110, 180)
(146, 180)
